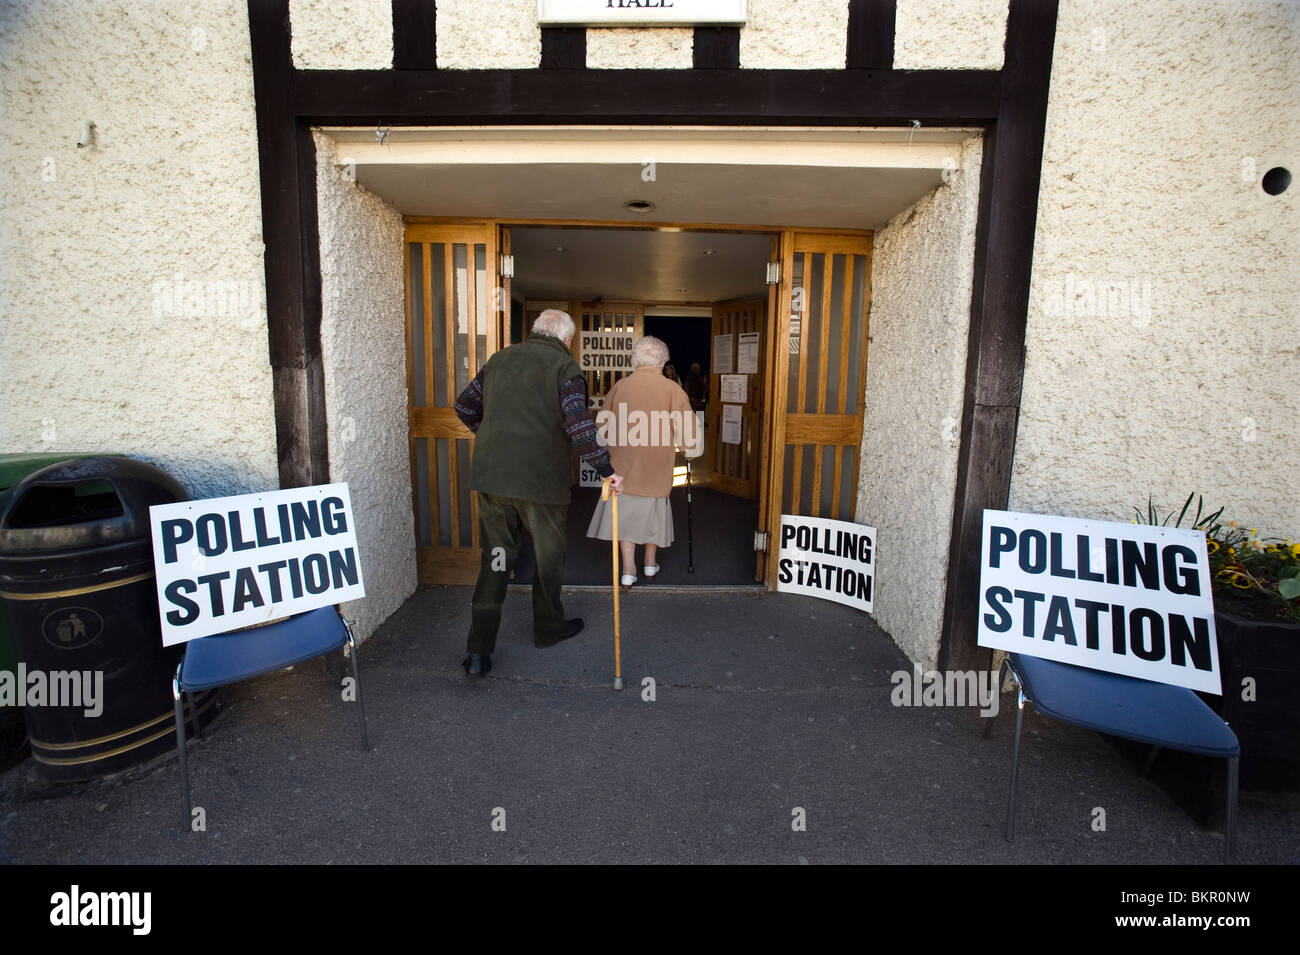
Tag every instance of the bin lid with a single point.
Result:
(83, 502)
(15, 467)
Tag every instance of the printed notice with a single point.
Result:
(722, 346)
(731, 424)
(734, 388)
(747, 354)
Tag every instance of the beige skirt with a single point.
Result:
(641, 520)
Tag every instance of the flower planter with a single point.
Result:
(1267, 652)
(1267, 727)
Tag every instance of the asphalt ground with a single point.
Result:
(768, 710)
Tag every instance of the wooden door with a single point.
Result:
(734, 466)
(451, 330)
(819, 364)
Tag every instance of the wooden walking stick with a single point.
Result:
(606, 495)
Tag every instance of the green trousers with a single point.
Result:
(501, 523)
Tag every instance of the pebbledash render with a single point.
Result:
(1095, 304)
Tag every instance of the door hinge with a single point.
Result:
(507, 266)
(773, 273)
(760, 541)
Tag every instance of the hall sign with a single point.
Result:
(834, 560)
(605, 351)
(233, 562)
(1127, 598)
(640, 13)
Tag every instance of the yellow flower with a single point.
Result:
(1295, 550)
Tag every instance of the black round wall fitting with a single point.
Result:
(1276, 180)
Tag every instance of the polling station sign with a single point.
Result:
(1126, 598)
(834, 560)
(233, 562)
(605, 350)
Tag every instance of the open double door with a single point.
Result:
(800, 425)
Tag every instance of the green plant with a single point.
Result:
(1259, 577)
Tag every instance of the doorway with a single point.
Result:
(776, 320)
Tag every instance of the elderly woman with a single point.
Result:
(645, 418)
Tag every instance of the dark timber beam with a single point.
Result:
(870, 44)
(716, 48)
(739, 97)
(564, 48)
(415, 35)
(995, 362)
(287, 161)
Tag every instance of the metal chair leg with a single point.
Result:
(1230, 815)
(1002, 678)
(356, 676)
(1015, 765)
(194, 715)
(180, 749)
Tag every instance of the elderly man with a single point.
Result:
(528, 408)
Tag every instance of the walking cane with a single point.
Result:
(605, 495)
(690, 524)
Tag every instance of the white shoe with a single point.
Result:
(627, 580)
(651, 570)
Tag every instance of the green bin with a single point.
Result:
(13, 733)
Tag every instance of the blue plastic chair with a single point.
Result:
(1159, 714)
(226, 658)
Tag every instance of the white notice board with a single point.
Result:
(1127, 598)
(233, 562)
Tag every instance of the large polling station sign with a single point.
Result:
(605, 351)
(834, 560)
(233, 562)
(1127, 598)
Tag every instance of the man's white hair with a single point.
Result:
(649, 351)
(555, 323)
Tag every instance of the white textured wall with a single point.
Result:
(478, 35)
(363, 343)
(97, 355)
(663, 48)
(956, 34)
(1183, 374)
(342, 34)
(808, 35)
(921, 275)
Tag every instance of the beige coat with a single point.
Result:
(644, 419)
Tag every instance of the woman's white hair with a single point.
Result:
(555, 323)
(649, 351)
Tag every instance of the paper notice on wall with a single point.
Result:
(747, 354)
(731, 424)
(722, 348)
(734, 388)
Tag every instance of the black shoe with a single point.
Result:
(571, 628)
(477, 664)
